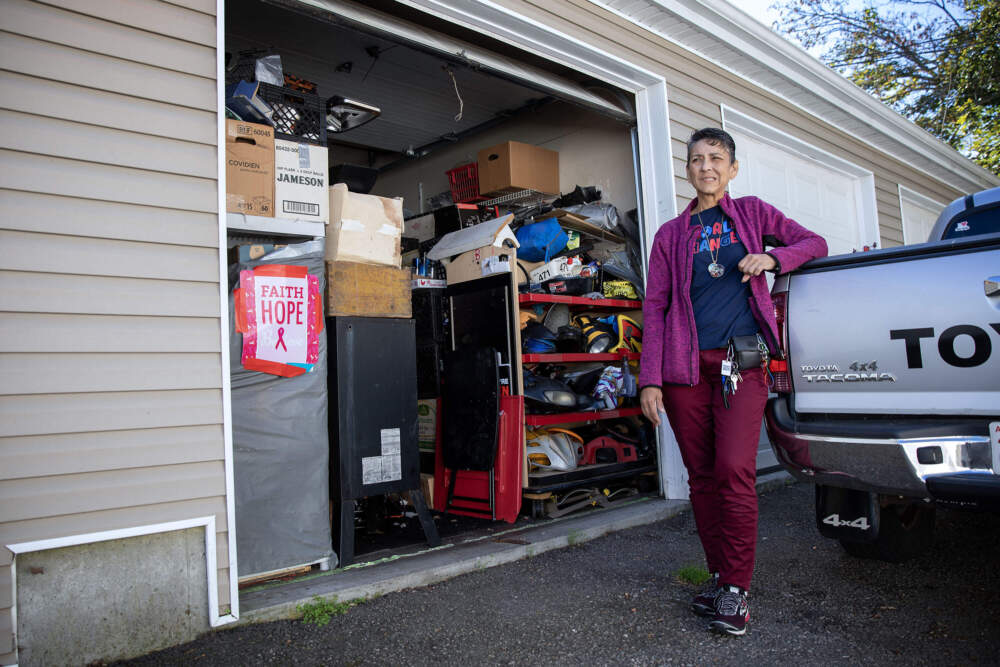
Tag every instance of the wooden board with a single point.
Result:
(580, 224)
(367, 290)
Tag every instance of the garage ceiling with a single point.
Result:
(413, 89)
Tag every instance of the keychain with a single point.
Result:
(730, 376)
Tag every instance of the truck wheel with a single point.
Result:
(905, 531)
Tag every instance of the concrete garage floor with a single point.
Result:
(277, 601)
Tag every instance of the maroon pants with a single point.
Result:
(719, 449)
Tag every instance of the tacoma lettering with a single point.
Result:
(850, 377)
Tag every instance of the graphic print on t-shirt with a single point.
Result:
(721, 305)
(716, 236)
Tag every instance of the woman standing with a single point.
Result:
(706, 285)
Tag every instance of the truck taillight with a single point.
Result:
(779, 366)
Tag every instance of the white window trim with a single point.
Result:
(867, 211)
(211, 566)
(906, 193)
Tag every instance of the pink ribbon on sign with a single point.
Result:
(281, 339)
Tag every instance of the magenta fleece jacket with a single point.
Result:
(669, 336)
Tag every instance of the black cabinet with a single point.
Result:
(372, 383)
(373, 399)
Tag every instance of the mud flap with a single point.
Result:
(847, 514)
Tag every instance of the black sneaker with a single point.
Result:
(703, 603)
(732, 612)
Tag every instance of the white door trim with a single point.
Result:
(867, 212)
(920, 200)
(227, 406)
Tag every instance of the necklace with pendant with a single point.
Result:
(714, 269)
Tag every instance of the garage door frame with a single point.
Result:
(864, 179)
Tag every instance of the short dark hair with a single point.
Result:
(714, 136)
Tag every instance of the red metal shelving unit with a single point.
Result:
(541, 482)
(556, 357)
(625, 304)
(576, 417)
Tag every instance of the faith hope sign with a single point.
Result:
(281, 317)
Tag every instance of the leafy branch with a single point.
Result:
(937, 62)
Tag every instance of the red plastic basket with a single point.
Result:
(464, 183)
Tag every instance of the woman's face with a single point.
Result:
(709, 168)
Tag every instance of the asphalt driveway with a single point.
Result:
(615, 600)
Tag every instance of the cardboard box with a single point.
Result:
(427, 422)
(561, 267)
(480, 263)
(478, 251)
(301, 189)
(364, 228)
(367, 290)
(249, 168)
(517, 166)
(495, 232)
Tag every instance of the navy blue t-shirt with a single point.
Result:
(721, 305)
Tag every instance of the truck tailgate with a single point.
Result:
(898, 335)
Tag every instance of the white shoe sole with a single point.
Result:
(725, 628)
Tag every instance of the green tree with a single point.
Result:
(937, 62)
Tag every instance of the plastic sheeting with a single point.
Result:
(598, 213)
(281, 450)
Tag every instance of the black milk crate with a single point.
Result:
(297, 116)
(245, 68)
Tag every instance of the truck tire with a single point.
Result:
(905, 531)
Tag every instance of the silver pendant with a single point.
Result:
(716, 270)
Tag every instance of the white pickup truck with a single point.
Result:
(889, 382)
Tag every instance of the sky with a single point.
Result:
(759, 10)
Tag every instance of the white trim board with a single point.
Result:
(211, 565)
(227, 406)
(918, 198)
(865, 188)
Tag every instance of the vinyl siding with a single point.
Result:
(111, 401)
(696, 88)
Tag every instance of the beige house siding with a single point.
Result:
(696, 88)
(111, 400)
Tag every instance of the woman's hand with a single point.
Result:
(754, 265)
(651, 400)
